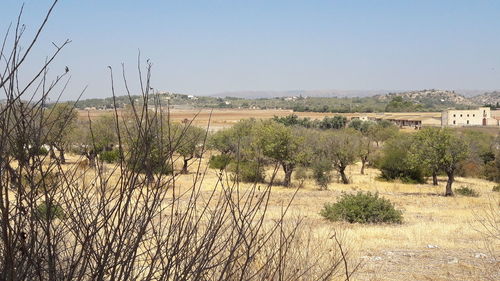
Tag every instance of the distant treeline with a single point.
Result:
(297, 104)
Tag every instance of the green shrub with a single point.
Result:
(466, 191)
(321, 173)
(301, 173)
(395, 162)
(247, 171)
(111, 156)
(491, 170)
(496, 188)
(362, 208)
(41, 151)
(153, 164)
(50, 211)
(219, 162)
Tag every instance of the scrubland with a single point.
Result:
(441, 238)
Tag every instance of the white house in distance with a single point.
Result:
(478, 117)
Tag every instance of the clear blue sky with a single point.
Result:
(206, 47)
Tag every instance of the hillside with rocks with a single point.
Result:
(409, 101)
(430, 98)
(487, 98)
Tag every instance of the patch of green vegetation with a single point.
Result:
(247, 171)
(466, 191)
(50, 211)
(219, 162)
(111, 156)
(362, 208)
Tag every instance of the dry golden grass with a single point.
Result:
(221, 118)
(396, 252)
(439, 239)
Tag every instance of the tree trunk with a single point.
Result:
(52, 153)
(345, 180)
(62, 159)
(434, 178)
(185, 166)
(451, 179)
(91, 156)
(288, 169)
(363, 163)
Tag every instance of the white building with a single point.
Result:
(478, 117)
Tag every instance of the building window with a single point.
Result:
(454, 115)
(454, 122)
(473, 115)
(467, 121)
(467, 115)
(460, 115)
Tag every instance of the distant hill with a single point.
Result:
(487, 98)
(430, 98)
(304, 93)
(317, 101)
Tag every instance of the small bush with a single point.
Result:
(466, 191)
(321, 173)
(219, 162)
(111, 156)
(42, 151)
(491, 171)
(362, 208)
(50, 211)
(301, 175)
(247, 171)
(496, 188)
(395, 162)
(151, 162)
(470, 169)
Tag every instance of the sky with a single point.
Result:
(213, 46)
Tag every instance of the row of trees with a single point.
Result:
(294, 143)
(291, 142)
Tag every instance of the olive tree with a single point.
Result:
(318, 157)
(396, 161)
(335, 122)
(282, 144)
(342, 147)
(381, 131)
(189, 142)
(93, 137)
(441, 149)
(236, 140)
(59, 125)
(425, 151)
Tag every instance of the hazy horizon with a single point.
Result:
(209, 48)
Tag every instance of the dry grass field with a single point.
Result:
(221, 118)
(441, 237)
